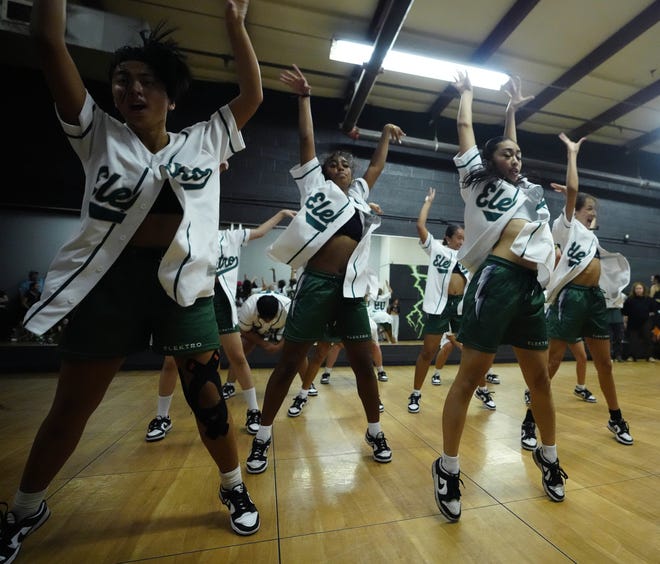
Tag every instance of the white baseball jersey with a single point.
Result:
(324, 209)
(230, 242)
(490, 205)
(578, 247)
(122, 181)
(442, 261)
(249, 320)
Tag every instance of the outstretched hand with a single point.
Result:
(430, 195)
(561, 188)
(236, 9)
(296, 80)
(462, 82)
(572, 146)
(514, 91)
(395, 132)
(288, 213)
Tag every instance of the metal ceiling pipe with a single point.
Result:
(392, 23)
(450, 150)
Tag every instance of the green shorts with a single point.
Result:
(320, 312)
(128, 310)
(448, 320)
(503, 304)
(578, 311)
(222, 309)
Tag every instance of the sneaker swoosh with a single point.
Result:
(442, 490)
(546, 475)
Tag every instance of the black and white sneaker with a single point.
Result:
(621, 431)
(312, 390)
(553, 475)
(381, 407)
(492, 378)
(382, 452)
(252, 421)
(446, 488)
(325, 378)
(228, 390)
(257, 461)
(297, 406)
(528, 435)
(436, 380)
(413, 402)
(486, 398)
(13, 532)
(382, 376)
(584, 394)
(243, 514)
(158, 428)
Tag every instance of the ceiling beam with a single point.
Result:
(646, 19)
(397, 10)
(610, 115)
(501, 32)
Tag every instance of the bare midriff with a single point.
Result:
(502, 248)
(157, 230)
(456, 284)
(333, 257)
(590, 276)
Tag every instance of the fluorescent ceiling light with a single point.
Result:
(398, 61)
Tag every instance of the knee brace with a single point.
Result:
(213, 418)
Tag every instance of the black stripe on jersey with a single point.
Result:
(74, 275)
(183, 264)
(228, 130)
(83, 134)
(308, 172)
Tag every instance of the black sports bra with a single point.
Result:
(352, 228)
(166, 202)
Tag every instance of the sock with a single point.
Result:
(164, 403)
(549, 452)
(580, 386)
(483, 389)
(303, 393)
(380, 369)
(615, 415)
(230, 480)
(437, 372)
(264, 433)
(26, 504)
(250, 396)
(450, 464)
(374, 429)
(528, 417)
(327, 370)
(417, 392)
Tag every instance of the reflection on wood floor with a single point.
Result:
(323, 498)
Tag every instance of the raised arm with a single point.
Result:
(244, 106)
(47, 29)
(571, 188)
(390, 132)
(296, 80)
(516, 100)
(267, 225)
(424, 215)
(466, 138)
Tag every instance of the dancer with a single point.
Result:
(331, 236)
(138, 189)
(507, 245)
(583, 274)
(230, 242)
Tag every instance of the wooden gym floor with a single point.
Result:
(323, 498)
